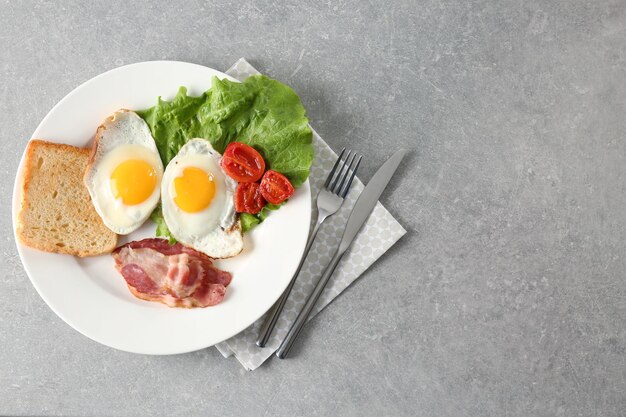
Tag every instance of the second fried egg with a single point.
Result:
(197, 201)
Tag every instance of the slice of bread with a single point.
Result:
(56, 213)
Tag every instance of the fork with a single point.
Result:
(329, 200)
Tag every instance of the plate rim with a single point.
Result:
(16, 204)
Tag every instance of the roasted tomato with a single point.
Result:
(248, 198)
(275, 187)
(242, 162)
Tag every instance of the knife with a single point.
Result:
(362, 209)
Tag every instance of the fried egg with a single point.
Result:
(197, 201)
(124, 172)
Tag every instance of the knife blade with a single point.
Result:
(369, 197)
(360, 213)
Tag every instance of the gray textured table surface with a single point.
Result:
(506, 298)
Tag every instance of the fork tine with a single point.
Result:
(346, 174)
(332, 171)
(356, 167)
(340, 173)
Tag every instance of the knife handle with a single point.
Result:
(297, 325)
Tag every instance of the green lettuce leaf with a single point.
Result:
(248, 221)
(162, 229)
(260, 112)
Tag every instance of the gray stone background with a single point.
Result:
(507, 296)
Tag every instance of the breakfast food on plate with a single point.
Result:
(260, 112)
(124, 172)
(174, 275)
(197, 201)
(56, 213)
(166, 163)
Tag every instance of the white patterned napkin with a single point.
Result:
(379, 233)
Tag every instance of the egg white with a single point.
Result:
(216, 230)
(121, 137)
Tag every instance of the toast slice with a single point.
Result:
(56, 214)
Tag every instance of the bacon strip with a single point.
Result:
(175, 275)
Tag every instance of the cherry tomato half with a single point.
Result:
(248, 198)
(242, 162)
(275, 187)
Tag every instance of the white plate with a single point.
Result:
(89, 294)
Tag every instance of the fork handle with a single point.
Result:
(277, 308)
(297, 326)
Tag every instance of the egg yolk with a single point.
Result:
(133, 181)
(195, 189)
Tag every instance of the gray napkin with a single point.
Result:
(379, 233)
